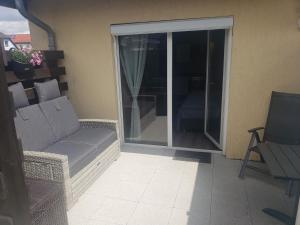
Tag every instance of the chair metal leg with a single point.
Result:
(247, 157)
(245, 162)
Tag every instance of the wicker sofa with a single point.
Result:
(60, 147)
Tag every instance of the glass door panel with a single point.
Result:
(214, 85)
(188, 88)
(143, 67)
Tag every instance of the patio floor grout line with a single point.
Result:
(156, 170)
(247, 200)
(177, 193)
(148, 184)
(138, 202)
(248, 203)
(146, 188)
(178, 188)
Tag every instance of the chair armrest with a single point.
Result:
(254, 130)
(47, 166)
(255, 134)
(98, 123)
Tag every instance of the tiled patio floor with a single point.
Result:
(140, 189)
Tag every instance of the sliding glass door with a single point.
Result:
(189, 89)
(171, 87)
(143, 68)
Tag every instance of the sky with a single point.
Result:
(11, 22)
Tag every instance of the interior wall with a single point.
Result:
(265, 51)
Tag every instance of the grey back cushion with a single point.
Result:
(283, 123)
(33, 128)
(48, 90)
(61, 116)
(19, 96)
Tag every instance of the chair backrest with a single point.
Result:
(283, 122)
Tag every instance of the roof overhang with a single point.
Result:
(172, 26)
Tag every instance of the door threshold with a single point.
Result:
(161, 150)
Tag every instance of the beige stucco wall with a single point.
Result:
(265, 51)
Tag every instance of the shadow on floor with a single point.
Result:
(235, 201)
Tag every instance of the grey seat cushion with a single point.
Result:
(61, 116)
(33, 129)
(99, 138)
(19, 96)
(83, 146)
(76, 152)
(93, 136)
(47, 90)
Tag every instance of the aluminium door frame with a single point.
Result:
(219, 145)
(225, 91)
(119, 89)
(170, 88)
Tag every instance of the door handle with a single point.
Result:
(3, 187)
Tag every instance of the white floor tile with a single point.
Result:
(133, 160)
(85, 208)
(101, 222)
(77, 220)
(234, 195)
(195, 169)
(130, 191)
(230, 220)
(147, 214)
(162, 190)
(224, 208)
(167, 178)
(183, 217)
(138, 175)
(115, 211)
(171, 165)
(193, 200)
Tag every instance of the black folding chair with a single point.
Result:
(282, 126)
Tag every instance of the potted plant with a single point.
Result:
(23, 61)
